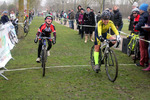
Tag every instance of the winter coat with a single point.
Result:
(72, 16)
(4, 19)
(131, 22)
(89, 18)
(80, 19)
(117, 18)
(142, 21)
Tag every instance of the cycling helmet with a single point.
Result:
(48, 15)
(105, 15)
(135, 10)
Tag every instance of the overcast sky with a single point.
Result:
(7, 1)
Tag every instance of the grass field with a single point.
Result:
(69, 83)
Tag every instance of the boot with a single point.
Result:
(86, 38)
(147, 69)
(91, 38)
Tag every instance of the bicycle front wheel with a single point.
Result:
(111, 65)
(44, 57)
(26, 30)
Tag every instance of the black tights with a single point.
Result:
(40, 46)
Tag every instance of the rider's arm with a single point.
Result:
(99, 28)
(53, 30)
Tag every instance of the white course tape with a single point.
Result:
(21, 69)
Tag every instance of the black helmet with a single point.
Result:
(105, 15)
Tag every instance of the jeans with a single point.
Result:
(143, 52)
(120, 28)
(72, 24)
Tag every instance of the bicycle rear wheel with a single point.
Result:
(111, 65)
(44, 58)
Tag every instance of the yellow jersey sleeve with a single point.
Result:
(113, 27)
(99, 28)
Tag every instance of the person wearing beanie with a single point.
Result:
(4, 18)
(131, 17)
(143, 34)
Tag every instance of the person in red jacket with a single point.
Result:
(136, 15)
(45, 30)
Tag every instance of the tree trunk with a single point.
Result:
(21, 19)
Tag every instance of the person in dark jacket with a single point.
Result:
(72, 17)
(89, 20)
(148, 25)
(131, 17)
(81, 22)
(77, 15)
(98, 17)
(143, 34)
(117, 18)
(4, 18)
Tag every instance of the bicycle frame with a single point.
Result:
(134, 39)
(105, 45)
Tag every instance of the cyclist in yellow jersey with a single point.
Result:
(101, 33)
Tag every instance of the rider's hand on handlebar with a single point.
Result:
(54, 41)
(118, 38)
(36, 40)
(101, 38)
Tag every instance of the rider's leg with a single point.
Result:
(49, 45)
(97, 46)
(39, 48)
(96, 54)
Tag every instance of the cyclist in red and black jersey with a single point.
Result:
(45, 30)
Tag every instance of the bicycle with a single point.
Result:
(107, 57)
(133, 46)
(26, 28)
(44, 53)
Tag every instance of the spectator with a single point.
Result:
(65, 18)
(4, 17)
(93, 21)
(117, 18)
(131, 17)
(136, 15)
(77, 15)
(12, 16)
(81, 22)
(148, 24)
(69, 12)
(143, 34)
(72, 17)
(89, 21)
(98, 17)
(111, 14)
